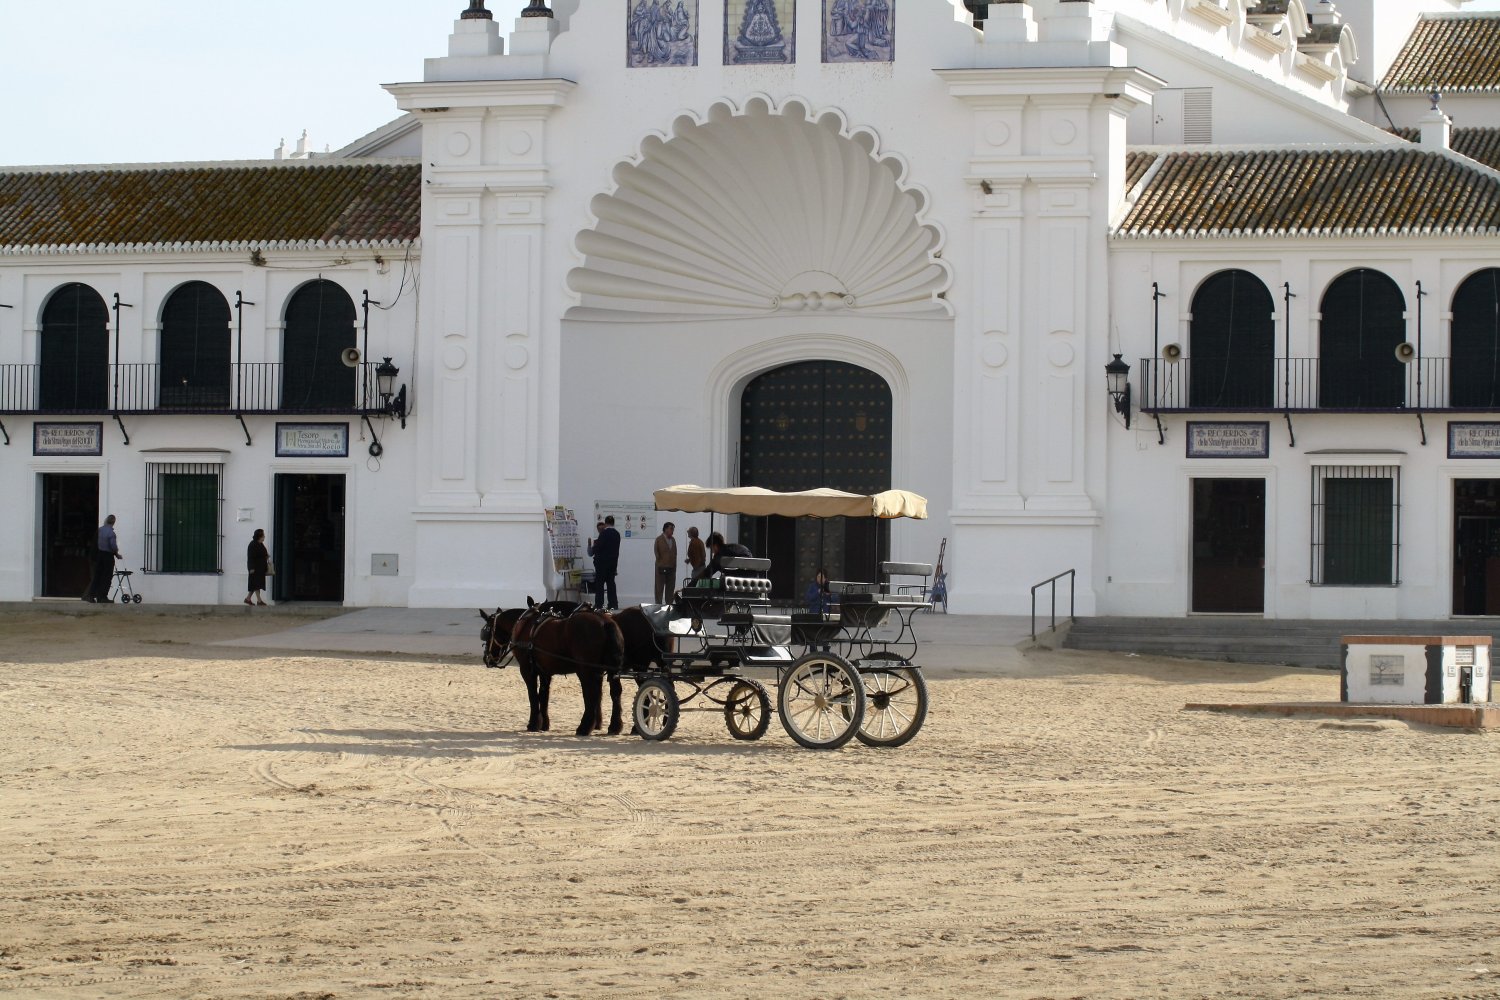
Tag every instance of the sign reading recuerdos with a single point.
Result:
(1476, 440)
(312, 440)
(1241, 439)
(67, 439)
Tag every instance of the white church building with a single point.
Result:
(1199, 299)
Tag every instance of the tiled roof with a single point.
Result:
(1482, 144)
(329, 202)
(1451, 53)
(1367, 191)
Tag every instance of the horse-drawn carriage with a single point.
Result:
(840, 674)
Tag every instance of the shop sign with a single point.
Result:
(1477, 440)
(1228, 440)
(67, 439)
(312, 440)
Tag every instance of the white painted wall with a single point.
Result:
(379, 493)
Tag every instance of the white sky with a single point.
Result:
(136, 81)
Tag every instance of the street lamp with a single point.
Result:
(395, 401)
(1117, 381)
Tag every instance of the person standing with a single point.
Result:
(258, 562)
(606, 552)
(666, 564)
(106, 551)
(697, 554)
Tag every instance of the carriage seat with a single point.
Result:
(890, 570)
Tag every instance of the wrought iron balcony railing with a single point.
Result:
(1261, 385)
(257, 387)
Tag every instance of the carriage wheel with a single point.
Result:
(895, 706)
(822, 701)
(656, 709)
(747, 710)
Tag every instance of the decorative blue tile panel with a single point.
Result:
(859, 31)
(661, 33)
(760, 32)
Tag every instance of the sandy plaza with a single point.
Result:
(195, 807)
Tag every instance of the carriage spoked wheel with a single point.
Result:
(656, 708)
(747, 710)
(895, 706)
(821, 699)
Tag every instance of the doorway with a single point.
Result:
(1476, 547)
(70, 516)
(1229, 546)
(808, 425)
(308, 541)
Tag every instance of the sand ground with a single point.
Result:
(186, 819)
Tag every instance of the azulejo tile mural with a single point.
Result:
(859, 31)
(760, 32)
(662, 33)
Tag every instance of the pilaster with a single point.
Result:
(485, 186)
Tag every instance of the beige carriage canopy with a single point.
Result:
(758, 502)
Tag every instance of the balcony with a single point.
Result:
(259, 387)
(1303, 385)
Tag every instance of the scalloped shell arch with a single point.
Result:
(760, 214)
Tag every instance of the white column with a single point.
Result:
(479, 494)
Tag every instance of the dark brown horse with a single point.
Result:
(559, 637)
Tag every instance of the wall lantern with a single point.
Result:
(385, 383)
(1117, 381)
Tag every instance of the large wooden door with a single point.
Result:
(809, 425)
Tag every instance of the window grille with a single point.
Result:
(184, 517)
(1356, 525)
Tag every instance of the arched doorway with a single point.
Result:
(807, 425)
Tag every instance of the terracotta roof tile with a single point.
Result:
(1482, 144)
(338, 202)
(1309, 192)
(1451, 53)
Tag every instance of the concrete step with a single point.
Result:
(1239, 639)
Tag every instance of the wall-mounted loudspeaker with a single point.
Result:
(350, 356)
(1172, 352)
(1405, 352)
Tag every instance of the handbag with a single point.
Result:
(270, 567)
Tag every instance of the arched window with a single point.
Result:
(1232, 343)
(195, 349)
(1475, 376)
(74, 351)
(1363, 323)
(320, 326)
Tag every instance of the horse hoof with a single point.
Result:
(616, 729)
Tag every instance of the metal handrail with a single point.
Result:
(145, 387)
(1072, 594)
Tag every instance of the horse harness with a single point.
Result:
(530, 622)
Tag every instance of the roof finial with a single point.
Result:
(538, 8)
(1436, 96)
(476, 12)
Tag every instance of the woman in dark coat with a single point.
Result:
(258, 561)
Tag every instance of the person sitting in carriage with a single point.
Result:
(718, 549)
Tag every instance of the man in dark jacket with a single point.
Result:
(717, 550)
(606, 552)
